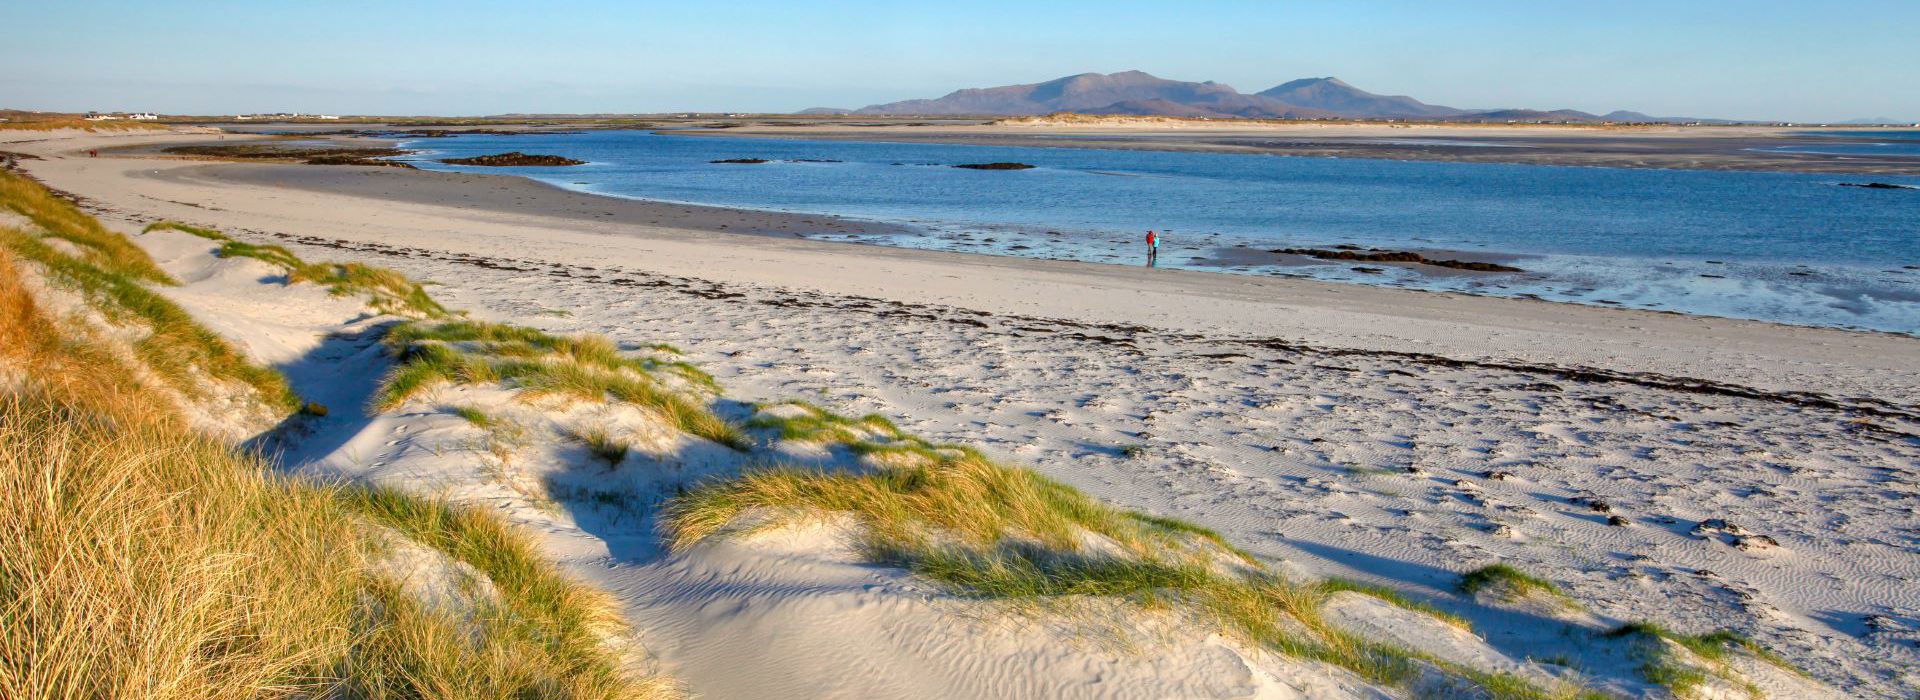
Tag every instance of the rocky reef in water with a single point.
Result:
(513, 158)
(995, 166)
(1394, 256)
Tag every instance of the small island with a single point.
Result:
(741, 161)
(995, 166)
(513, 158)
(1878, 186)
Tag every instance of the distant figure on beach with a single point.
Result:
(91, 153)
(1153, 249)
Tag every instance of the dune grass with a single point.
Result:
(990, 531)
(811, 423)
(140, 559)
(562, 624)
(137, 560)
(202, 232)
(475, 415)
(1510, 583)
(387, 291)
(59, 218)
(587, 368)
(113, 275)
(603, 445)
(1661, 668)
(54, 124)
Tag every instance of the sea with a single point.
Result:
(1783, 247)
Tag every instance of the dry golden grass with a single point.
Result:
(60, 219)
(141, 560)
(115, 277)
(78, 123)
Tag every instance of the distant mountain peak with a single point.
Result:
(1335, 95)
(1138, 92)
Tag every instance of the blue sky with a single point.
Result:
(1746, 59)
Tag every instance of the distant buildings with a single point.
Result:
(282, 116)
(136, 116)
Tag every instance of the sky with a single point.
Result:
(1747, 59)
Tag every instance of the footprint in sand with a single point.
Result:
(1566, 434)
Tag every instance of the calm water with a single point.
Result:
(1785, 247)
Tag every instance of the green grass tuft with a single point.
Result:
(206, 233)
(1509, 583)
(603, 445)
(475, 416)
(585, 368)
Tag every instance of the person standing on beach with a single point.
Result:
(1153, 249)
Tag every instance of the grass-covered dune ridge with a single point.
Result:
(386, 291)
(140, 558)
(588, 368)
(115, 278)
(992, 531)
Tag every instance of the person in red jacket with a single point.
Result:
(1153, 249)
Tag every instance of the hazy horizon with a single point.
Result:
(1750, 60)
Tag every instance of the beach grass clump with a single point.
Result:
(203, 232)
(602, 444)
(177, 350)
(1510, 583)
(59, 218)
(1661, 666)
(1396, 598)
(806, 422)
(387, 291)
(1003, 533)
(477, 416)
(140, 558)
(586, 368)
(272, 254)
(559, 624)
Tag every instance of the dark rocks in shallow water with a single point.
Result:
(740, 161)
(1399, 256)
(1878, 186)
(995, 166)
(1369, 270)
(356, 160)
(513, 158)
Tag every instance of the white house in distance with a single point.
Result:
(136, 116)
(282, 116)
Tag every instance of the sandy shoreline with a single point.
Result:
(1288, 414)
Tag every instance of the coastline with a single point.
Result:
(1332, 428)
(1559, 278)
(1727, 148)
(703, 247)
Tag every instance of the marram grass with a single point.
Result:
(139, 559)
(996, 532)
(585, 368)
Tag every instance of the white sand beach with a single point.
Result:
(1706, 473)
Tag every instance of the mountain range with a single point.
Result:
(1138, 93)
